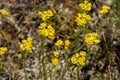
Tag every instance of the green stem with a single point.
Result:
(76, 42)
(42, 58)
(24, 64)
(66, 67)
(51, 73)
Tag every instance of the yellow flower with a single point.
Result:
(55, 61)
(56, 53)
(79, 59)
(45, 15)
(27, 44)
(3, 50)
(46, 30)
(5, 13)
(42, 25)
(91, 38)
(49, 13)
(85, 6)
(96, 41)
(29, 40)
(82, 19)
(93, 34)
(67, 44)
(74, 60)
(82, 53)
(87, 17)
(51, 32)
(104, 9)
(59, 43)
(76, 55)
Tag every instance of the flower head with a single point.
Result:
(55, 61)
(27, 44)
(85, 6)
(5, 13)
(59, 43)
(83, 53)
(74, 60)
(56, 53)
(82, 19)
(91, 38)
(104, 9)
(67, 44)
(3, 50)
(46, 30)
(79, 58)
(45, 15)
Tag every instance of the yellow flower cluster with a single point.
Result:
(3, 50)
(82, 19)
(56, 53)
(5, 13)
(46, 30)
(85, 6)
(79, 58)
(91, 38)
(104, 9)
(55, 60)
(67, 44)
(45, 15)
(27, 44)
(60, 42)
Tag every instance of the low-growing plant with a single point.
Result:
(65, 44)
